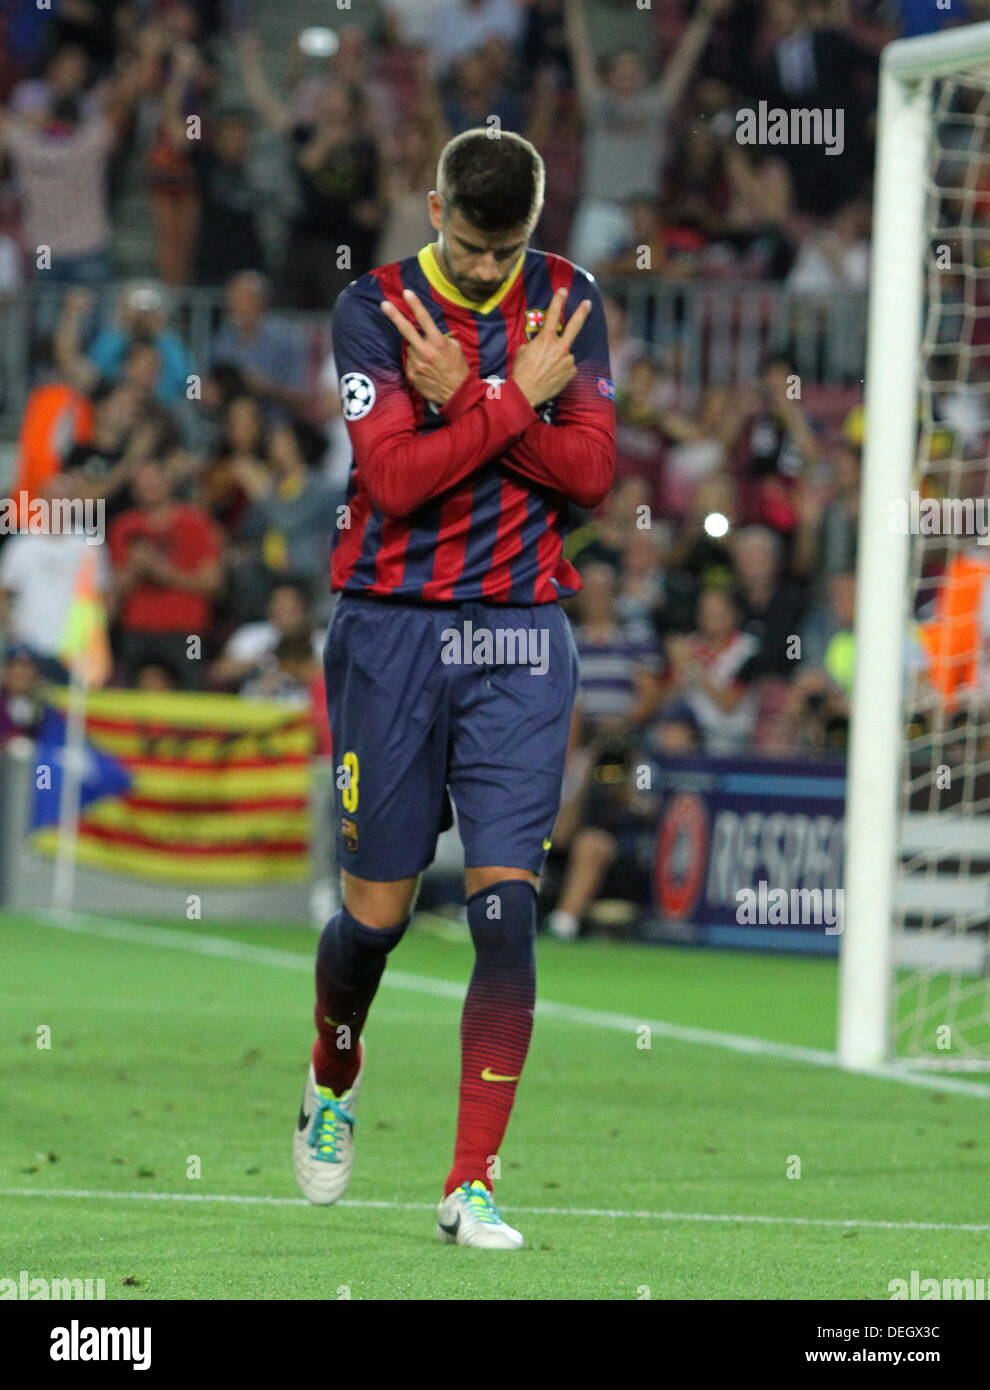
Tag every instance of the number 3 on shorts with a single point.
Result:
(349, 782)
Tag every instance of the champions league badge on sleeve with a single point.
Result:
(357, 395)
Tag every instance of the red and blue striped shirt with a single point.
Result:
(473, 499)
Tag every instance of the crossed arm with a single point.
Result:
(404, 469)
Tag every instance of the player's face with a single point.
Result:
(475, 262)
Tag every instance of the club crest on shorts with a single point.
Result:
(349, 833)
(357, 395)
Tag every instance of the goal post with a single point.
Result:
(896, 387)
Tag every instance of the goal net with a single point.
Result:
(916, 953)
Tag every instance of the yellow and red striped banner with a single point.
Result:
(219, 789)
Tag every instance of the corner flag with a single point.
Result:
(85, 645)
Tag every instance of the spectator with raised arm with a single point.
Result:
(349, 66)
(230, 193)
(464, 26)
(135, 357)
(337, 168)
(142, 317)
(183, 82)
(66, 77)
(60, 157)
(626, 121)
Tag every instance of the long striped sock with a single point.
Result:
(350, 961)
(496, 1024)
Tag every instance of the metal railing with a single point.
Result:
(719, 332)
(713, 332)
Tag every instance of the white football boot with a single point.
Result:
(323, 1144)
(468, 1216)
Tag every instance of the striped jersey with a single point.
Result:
(609, 669)
(472, 499)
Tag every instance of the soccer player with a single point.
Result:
(474, 380)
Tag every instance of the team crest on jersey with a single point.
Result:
(534, 321)
(605, 388)
(349, 833)
(357, 395)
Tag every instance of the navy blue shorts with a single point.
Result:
(429, 705)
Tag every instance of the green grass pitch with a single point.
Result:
(633, 1172)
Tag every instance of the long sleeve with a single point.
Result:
(577, 460)
(573, 453)
(402, 467)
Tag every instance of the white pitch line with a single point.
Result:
(220, 946)
(732, 1218)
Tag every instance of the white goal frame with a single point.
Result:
(893, 357)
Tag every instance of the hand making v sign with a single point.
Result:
(544, 366)
(435, 364)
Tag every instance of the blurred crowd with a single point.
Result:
(634, 107)
(719, 576)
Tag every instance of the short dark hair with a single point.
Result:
(495, 180)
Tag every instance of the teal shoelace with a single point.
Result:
(327, 1130)
(482, 1206)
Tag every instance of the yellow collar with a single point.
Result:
(430, 267)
